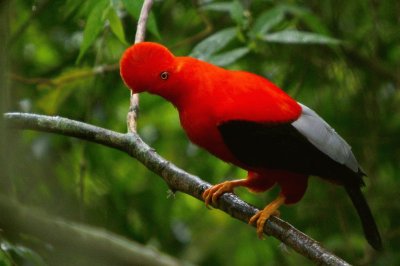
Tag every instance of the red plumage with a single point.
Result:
(246, 120)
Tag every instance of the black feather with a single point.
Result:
(281, 146)
(368, 223)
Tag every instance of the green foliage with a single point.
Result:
(229, 57)
(339, 57)
(116, 25)
(298, 37)
(259, 30)
(134, 7)
(268, 20)
(206, 49)
(94, 25)
(11, 254)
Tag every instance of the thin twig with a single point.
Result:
(176, 178)
(142, 22)
(140, 35)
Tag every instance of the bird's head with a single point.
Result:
(147, 67)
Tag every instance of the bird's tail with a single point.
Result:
(368, 223)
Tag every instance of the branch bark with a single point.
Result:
(140, 35)
(176, 178)
(142, 22)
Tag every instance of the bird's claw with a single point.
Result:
(212, 194)
(260, 218)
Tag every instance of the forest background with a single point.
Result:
(341, 58)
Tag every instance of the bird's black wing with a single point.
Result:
(282, 147)
(306, 146)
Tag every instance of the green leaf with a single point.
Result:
(219, 7)
(295, 10)
(236, 12)
(272, 17)
(299, 37)
(134, 7)
(267, 20)
(116, 25)
(70, 7)
(94, 25)
(229, 57)
(213, 44)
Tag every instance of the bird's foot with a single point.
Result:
(261, 216)
(212, 194)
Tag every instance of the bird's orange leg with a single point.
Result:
(261, 216)
(213, 193)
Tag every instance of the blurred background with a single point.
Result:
(341, 58)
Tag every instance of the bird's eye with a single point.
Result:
(164, 75)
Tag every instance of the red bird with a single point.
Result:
(246, 120)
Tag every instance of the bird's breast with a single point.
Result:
(201, 127)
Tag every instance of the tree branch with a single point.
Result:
(78, 238)
(176, 178)
(140, 34)
(142, 22)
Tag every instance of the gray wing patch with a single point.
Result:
(325, 138)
